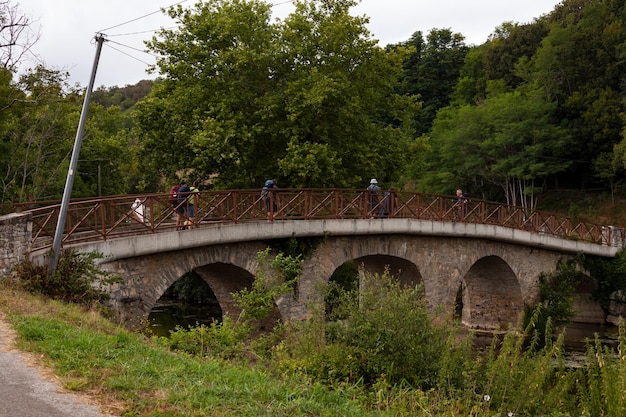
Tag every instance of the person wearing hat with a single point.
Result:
(270, 197)
(373, 197)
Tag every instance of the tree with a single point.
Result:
(581, 66)
(37, 138)
(565, 72)
(508, 141)
(16, 35)
(525, 146)
(302, 99)
(431, 71)
(508, 45)
(38, 134)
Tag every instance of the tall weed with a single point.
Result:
(602, 383)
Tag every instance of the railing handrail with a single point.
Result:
(111, 217)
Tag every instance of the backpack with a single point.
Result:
(173, 196)
(183, 193)
(266, 188)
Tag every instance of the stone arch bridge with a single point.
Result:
(497, 268)
(491, 253)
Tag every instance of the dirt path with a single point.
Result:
(28, 389)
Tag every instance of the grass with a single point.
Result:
(132, 375)
(137, 377)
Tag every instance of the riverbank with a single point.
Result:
(132, 375)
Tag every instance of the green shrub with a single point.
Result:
(77, 278)
(556, 292)
(221, 340)
(382, 333)
(274, 278)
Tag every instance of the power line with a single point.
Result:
(159, 11)
(129, 55)
(141, 17)
(150, 31)
(284, 2)
(143, 31)
(135, 49)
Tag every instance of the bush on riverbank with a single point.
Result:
(76, 279)
(382, 342)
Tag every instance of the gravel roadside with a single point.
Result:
(30, 390)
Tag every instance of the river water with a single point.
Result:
(577, 335)
(167, 314)
(170, 313)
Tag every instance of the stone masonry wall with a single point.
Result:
(15, 236)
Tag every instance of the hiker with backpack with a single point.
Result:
(192, 202)
(172, 197)
(269, 196)
(373, 191)
(182, 209)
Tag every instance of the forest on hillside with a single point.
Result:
(314, 101)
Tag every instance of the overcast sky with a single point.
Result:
(68, 27)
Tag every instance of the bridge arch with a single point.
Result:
(372, 254)
(403, 270)
(225, 268)
(492, 297)
(497, 276)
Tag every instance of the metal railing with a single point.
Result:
(112, 217)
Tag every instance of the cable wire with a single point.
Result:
(144, 31)
(159, 11)
(284, 2)
(128, 55)
(141, 17)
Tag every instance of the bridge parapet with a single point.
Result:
(231, 233)
(107, 218)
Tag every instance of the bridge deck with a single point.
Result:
(107, 218)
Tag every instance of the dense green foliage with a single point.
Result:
(367, 341)
(123, 97)
(610, 274)
(547, 113)
(314, 101)
(303, 100)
